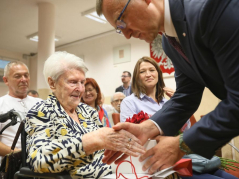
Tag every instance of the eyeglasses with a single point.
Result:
(124, 76)
(118, 100)
(120, 24)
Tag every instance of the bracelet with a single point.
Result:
(183, 146)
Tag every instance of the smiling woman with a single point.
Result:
(66, 135)
(92, 97)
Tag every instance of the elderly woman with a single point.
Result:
(66, 135)
(92, 97)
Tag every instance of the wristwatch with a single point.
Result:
(183, 146)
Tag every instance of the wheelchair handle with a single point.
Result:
(10, 115)
(6, 116)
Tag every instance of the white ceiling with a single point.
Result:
(19, 18)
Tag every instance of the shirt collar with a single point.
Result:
(145, 96)
(168, 23)
(142, 95)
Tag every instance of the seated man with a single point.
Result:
(17, 78)
(108, 107)
(116, 100)
(126, 86)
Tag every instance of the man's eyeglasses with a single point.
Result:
(120, 24)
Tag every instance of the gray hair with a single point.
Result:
(10, 64)
(60, 62)
(112, 97)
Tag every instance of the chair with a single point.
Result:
(25, 170)
(116, 118)
(192, 120)
(110, 118)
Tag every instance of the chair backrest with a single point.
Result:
(192, 120)
(116, 118)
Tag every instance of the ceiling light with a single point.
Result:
(34, 37)
(91, 14)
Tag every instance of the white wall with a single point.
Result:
(98, 56)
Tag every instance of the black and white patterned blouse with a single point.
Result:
(54, 141)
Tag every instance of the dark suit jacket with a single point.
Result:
(120, 89)
(212, 47)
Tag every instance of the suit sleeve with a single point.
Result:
(185, 101)
(222, 38)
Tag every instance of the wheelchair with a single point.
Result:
(24, 171)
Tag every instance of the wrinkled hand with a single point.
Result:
(169, 92)
(165, 154)
(141, 131)
(121, 141)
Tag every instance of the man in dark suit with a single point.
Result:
(126, 87)
(202, 42)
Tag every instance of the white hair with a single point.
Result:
(10, 64)
(59, 62)
(112, 97)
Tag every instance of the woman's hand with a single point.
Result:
(143, 132)
(108, 138)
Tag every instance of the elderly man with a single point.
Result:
(202, 40)
(17, 78)
(116, 100)
(126, 87)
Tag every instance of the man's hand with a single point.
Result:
(165, 154)
(142, 131)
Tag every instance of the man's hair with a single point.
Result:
(112, 97)
(95, 85)
(33, 92)
(59, 62)
(99, 7)
(129, 74)
(10, 64)
(137, 85)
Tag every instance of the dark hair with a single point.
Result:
(33, 92)
(95, 85)
(129, 74)
(138, 87)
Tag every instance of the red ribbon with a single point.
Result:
(133, 171)
(183, 167)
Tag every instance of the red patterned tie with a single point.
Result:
(177, 46)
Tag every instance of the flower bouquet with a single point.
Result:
(138, 118)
